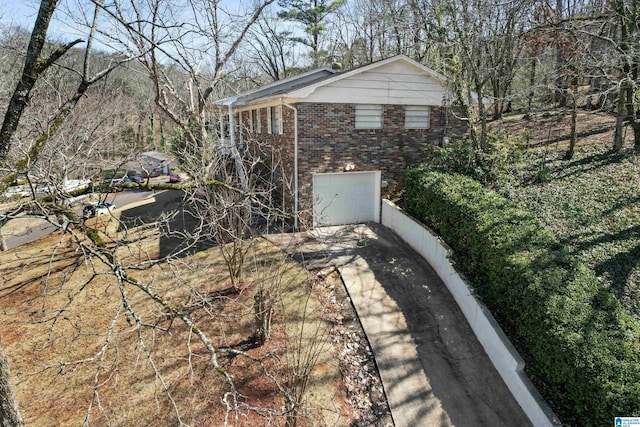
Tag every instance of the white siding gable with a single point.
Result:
(393, 83)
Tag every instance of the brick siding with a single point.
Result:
(328, 141)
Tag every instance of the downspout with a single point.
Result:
(295, 162)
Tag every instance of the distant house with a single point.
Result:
(342, 135)
(150, 163)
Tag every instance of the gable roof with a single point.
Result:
(303, 85)
(279, 86)
(305, 91)
(157, 155)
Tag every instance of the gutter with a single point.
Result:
(295, 162)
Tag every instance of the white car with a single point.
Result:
(95, 209)
(104, 207)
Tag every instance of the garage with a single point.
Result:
(346, 198)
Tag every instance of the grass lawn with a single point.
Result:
(591, 202)
(75, 352)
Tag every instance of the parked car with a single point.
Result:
(174, 177)
(110, 184)
(114, 180)
(136, 178)
(92, 209)
(104, 207)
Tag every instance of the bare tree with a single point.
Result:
(185, 74)
(35, 64)
(270, 47)
(217, 209)
(38, 61)
(381, 28)
(627, 15)
(33, 67)
(482, 45)
(9, 413)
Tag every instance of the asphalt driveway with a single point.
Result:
(434, 370)
(38, 228)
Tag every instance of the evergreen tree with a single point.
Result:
(313, 15)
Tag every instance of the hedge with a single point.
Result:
(581, 347)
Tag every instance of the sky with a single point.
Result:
(23, 13)
(19, 12)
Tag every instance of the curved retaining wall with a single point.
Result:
(503, 355)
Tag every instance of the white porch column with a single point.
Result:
(235, 154)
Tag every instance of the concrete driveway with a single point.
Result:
(434, 371)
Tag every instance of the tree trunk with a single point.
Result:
(561, 86)
(9, 415)
(34, 66)
(163, 141)
(482, 115)
(636, 136)
(631, 113)
(532, 81)
(152, 133)
(574, 125)
(263, 309)
(618, 139)
(634, 117)
(3, 243)
(498, 105)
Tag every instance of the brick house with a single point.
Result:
(341, 136)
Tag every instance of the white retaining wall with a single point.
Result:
(503, 355)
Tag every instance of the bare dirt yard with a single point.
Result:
(86, 345)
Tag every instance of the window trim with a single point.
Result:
(254, 121)
(269, 130)
(277, 120)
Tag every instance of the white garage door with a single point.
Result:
(346, 198)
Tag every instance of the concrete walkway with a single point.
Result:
(434, 371)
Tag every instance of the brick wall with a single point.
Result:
(276, 151)
(328, 141)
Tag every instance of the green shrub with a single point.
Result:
(576, 339)
(543, 175)
(491, 166)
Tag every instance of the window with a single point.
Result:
(238, 129)
(416, 117)
(223, 127)
(255, 121)
(368, 116)
(274, 120)
(269, 122)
